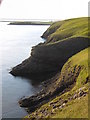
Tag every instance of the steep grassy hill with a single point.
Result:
(63, 39)
(73, 102)
(62, 30)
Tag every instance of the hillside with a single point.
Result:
(73, 102)
(62, 30)
(48, 58)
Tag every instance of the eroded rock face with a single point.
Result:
(46, 60)
(58, 85)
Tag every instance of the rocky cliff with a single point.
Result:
(62, 41)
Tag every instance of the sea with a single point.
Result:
(16, 42)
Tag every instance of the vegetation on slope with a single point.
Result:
(77, 27)
(74, 102)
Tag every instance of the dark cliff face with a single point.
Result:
(48, 60)
(63, 39)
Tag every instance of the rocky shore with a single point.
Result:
(59, 104)
(57, 85)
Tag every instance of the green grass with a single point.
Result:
(80, 59)
(61, 30)
(75, 109)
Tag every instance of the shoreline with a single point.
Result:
(49, 90)
(49, 58)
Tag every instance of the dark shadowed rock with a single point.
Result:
(53, 89)
(47, 60)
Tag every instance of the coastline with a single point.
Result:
(47, 61)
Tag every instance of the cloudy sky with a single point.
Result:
(43, 9)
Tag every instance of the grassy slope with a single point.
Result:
(62, 30)
(74, 109)
(77, 107)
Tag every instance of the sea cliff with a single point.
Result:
(57, 63)
(67, 39)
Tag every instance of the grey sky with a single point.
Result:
(43, 9)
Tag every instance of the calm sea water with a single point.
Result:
(15, 46)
